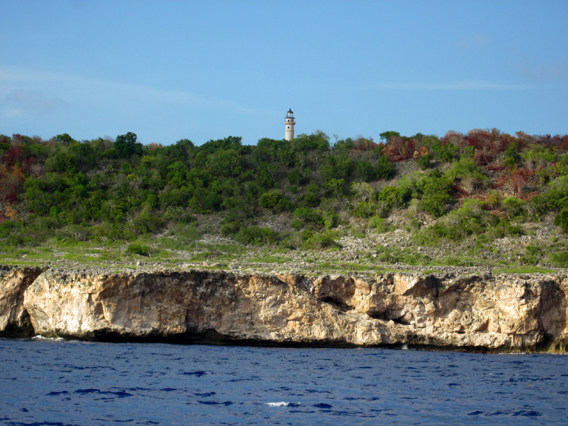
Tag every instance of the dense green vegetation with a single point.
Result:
(483, 185)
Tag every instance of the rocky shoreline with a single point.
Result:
(463, 311)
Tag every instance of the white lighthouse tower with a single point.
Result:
(289, 123)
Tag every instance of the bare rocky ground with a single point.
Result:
(371, 253)
(359, 252)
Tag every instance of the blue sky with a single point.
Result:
(202, 70)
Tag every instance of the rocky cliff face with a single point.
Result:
(14, 319)
(505, 312)
(474, 312)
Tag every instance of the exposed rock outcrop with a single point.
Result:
(512, 312)
(505, 312)
(14, 319)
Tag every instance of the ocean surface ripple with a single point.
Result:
(65, 383)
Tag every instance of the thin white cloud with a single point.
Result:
(476, 43)
(15, 75)
(11, 113)
(539, 72)
(543, 72)
(21, 102)
(460, 85)
(113, 91)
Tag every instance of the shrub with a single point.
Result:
(511, 157)
(392, 197)
(325, 240)
(255, 235)
(318, 140)
(306, 215)
(291, 242)
(384, 168)
(293, 177)
(425, 161)
(446, 152)
(560, 260)
(435, 203)
(465, 168)
(558, 204)
(561, 220)
(532, 255)
(402, 255)
(335, 187)
(493, 200)
(231, 228)
(408, 184)
(331, 219)
(275, 201)
(149, 221)
(435, 189)
(379, 224)
(138, 249)
(311, 199)
(364, 171)
(296, 224)
(362, 190)
(504, 228)
(364, 209)
(513, 206)
(459, 224)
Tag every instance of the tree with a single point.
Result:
(335, 187)
(364, 171)
(83, 155)
(386, 136)
(435, 189)
(180, 149)
(384, 168)
(362, 190)
(561, 220)
(65, 139)
(126, 145)
(275, 201)
(510, 155)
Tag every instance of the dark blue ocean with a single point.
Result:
(73, 383)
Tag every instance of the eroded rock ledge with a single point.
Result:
(493, 313)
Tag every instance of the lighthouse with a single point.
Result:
(289, 123)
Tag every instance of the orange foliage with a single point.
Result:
(17, 173)
(399, 149)
(10, 212)
(496, 167)
(516, 181)
(363, 144)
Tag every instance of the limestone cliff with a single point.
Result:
(512, 312)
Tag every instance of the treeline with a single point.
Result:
(482, 182)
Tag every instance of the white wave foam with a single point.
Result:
(52, 339)
(278, 404)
